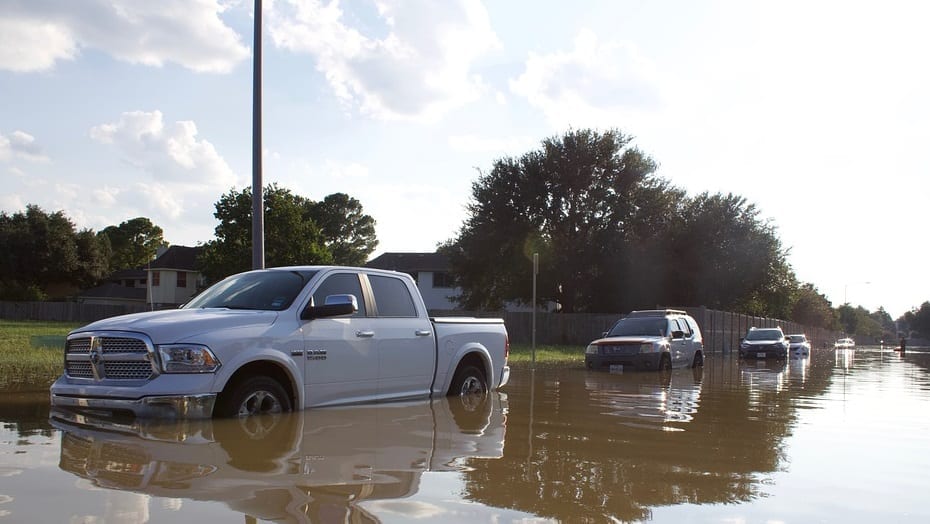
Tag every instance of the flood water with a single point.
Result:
(841, 436)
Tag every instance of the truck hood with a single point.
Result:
(176, 325)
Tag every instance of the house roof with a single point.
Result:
(178, 257)
(114, 290)
(123, 274)
(408, 262)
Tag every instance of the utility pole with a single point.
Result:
(258, 197)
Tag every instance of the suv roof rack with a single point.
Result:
(656, 312)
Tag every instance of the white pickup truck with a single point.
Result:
(280, 339)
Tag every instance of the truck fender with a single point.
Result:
(270, 356)
(457, 357)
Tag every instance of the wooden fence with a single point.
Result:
(722, 330)
(63, 311)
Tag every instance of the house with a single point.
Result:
(167, 282)
(173, 277)
(429, 270)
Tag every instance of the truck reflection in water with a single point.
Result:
(316, 465)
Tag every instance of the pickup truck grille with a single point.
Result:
(106, 357)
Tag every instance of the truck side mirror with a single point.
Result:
(333, 306)
(678, 334)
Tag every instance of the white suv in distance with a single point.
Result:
(658, 339)
(764, 343)
(799, 345)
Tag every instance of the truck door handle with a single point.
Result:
(423, 333)
(364, 334)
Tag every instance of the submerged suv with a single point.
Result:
(764, 343)
(657, 339)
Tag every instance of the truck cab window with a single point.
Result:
(341, 284)
(392, 297)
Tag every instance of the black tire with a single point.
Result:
(698, 360)
(665, 363)
(253, 396)
(468, 380)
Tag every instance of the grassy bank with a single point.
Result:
(523, 354)
(30, 348)
(35, 348)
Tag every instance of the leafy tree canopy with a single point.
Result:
(811, 308)
(612, 236)
(297, 231)
(43, 251)
(134, 243)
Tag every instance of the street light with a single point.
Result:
(846, 288)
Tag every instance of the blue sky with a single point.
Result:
(814, 111)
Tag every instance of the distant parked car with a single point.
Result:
(764, 343)
(657, 339)
(799, 345)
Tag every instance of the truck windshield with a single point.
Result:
(639, 327)
(262, 290)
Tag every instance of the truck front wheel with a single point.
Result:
(468, 380)
(253, 396)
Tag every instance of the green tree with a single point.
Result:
(812, 308)
(292, 234)
(726, 257)
(918, 320)
(44, 255)
(134, 243)
(612, 236)
(348, 232)
(572, 201)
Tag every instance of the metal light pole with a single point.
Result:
(535, 271)
(258, 197)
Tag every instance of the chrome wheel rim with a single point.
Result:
(260, 402)
(471, 386)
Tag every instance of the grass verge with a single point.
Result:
(523, 354)
(30, 348)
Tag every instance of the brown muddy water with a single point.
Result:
(841, 436)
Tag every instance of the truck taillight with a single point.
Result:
(506, 347)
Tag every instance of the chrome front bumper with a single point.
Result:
(168, 407)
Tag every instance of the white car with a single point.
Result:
(798, 345)
(656, 339)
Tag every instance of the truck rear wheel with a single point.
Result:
(468, 380)
(253, 396)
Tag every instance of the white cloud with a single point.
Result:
(589, 85)
(21, 145)
(37, 34)
(479, 144)
(417, 65)
(170, 153)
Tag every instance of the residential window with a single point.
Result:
(182, 279)
(443, 280)
(156, 278)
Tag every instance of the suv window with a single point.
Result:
(341, 284)
(392, 297)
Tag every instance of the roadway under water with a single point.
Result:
(840, 436)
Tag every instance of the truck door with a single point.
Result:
(340, 361)
(405, 340)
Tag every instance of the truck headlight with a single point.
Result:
(648, 348)
(591, 350)
(187, 358)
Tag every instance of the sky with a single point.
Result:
(815, 112)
